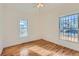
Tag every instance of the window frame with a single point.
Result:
(22, 30)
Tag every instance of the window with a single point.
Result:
(68, 27)
(23, 28)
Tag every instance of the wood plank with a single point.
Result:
(56, 50)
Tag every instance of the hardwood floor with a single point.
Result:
(56, 50)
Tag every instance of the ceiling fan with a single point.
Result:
(39, 5)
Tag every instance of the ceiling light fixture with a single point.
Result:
(39, 5)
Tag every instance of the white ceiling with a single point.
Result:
(29, 7)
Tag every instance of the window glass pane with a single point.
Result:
(76, 15)
(70, 17)
(23, 28)
(67, 17)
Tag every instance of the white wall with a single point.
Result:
(11, 22)
(1, 27)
